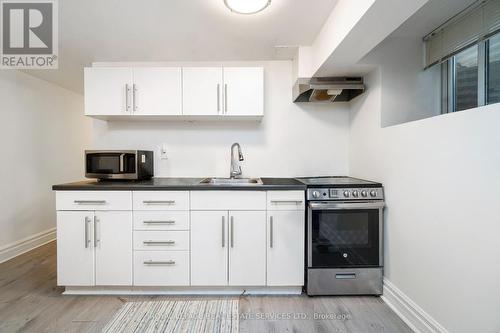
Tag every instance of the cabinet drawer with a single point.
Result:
(161, 268)
(161, 220)
(285, 200)
(94, 200)
(161, 200)
(161, 240)
(228, 200)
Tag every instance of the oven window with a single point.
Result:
(345, 238)
(110, 163)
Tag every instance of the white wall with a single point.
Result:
(442, 182)
(409, 93)
(291, 140)
(43, 132)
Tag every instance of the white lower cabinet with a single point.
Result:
(94, 248)
(247, 248)
(285, 248)
(209, 244)
(75, 251)
(228, 248)
(161, 268)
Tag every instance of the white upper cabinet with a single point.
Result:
(187, 93)
(244, 91)
(202, 91)
(157, 91)
(108, 91)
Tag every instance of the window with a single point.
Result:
(465, 79)
(471, 78)
(493, 73)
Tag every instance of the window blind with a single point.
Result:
(467, 28)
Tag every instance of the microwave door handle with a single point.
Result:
(122, 162)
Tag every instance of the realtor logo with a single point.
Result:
(29, 34)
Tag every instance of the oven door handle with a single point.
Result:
(343, 205)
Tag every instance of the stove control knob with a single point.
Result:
(316, 194)
(355, 193)
(373, 193)
(364, 194)
(347, 194)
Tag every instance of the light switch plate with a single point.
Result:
(163, 152)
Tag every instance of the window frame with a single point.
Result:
(448, 76)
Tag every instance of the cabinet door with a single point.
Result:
(106, 91)
(113, 248)
(202, 91)
(209, 243)
(285, 248)
(247, 248)
(244, 91)
(157, 91)
(75, 250)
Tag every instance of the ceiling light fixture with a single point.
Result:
(247, 6)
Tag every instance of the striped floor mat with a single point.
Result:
(219, 316)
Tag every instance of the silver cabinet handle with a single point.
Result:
(225, 98)
(87, 239)
(218, 97)
(90, 202)
(134, 97)
(127, 102)
(164, 263)
(151, 242)
(97, 238)
(277, 202)
(232, 231)
(158, 202)
(159, 222)
(223, 231)
(271, 232)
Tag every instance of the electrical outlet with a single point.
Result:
(163, 152)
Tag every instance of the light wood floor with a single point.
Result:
(30, 301)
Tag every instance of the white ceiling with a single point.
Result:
(176, 30)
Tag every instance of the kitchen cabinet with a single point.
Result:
(94, 248)
(202, 91)
(243, 91)
(209, 248)
(247, 248)
(188, 93)
(285, 248)
(228, 248)
(125, 91)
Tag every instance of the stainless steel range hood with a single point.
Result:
(327, 89)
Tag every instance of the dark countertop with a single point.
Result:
(176, 184)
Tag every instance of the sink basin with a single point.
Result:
(232, 181)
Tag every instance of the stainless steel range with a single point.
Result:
(344, 247)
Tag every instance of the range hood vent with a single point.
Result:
(327, 89)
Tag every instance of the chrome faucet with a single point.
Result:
(235, 166)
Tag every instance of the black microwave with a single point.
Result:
(119, 164)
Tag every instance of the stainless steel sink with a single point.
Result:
(232, 181)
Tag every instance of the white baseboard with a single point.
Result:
(27, 244)
(413, 315)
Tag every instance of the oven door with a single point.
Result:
(345, 234)
(111, 164)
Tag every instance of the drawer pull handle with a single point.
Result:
(286, 202)
(90, 202)
(345, 276)
(151, 242)
(158, 202)
(159, 263)
(159, 222)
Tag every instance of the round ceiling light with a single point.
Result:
(247, 6)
